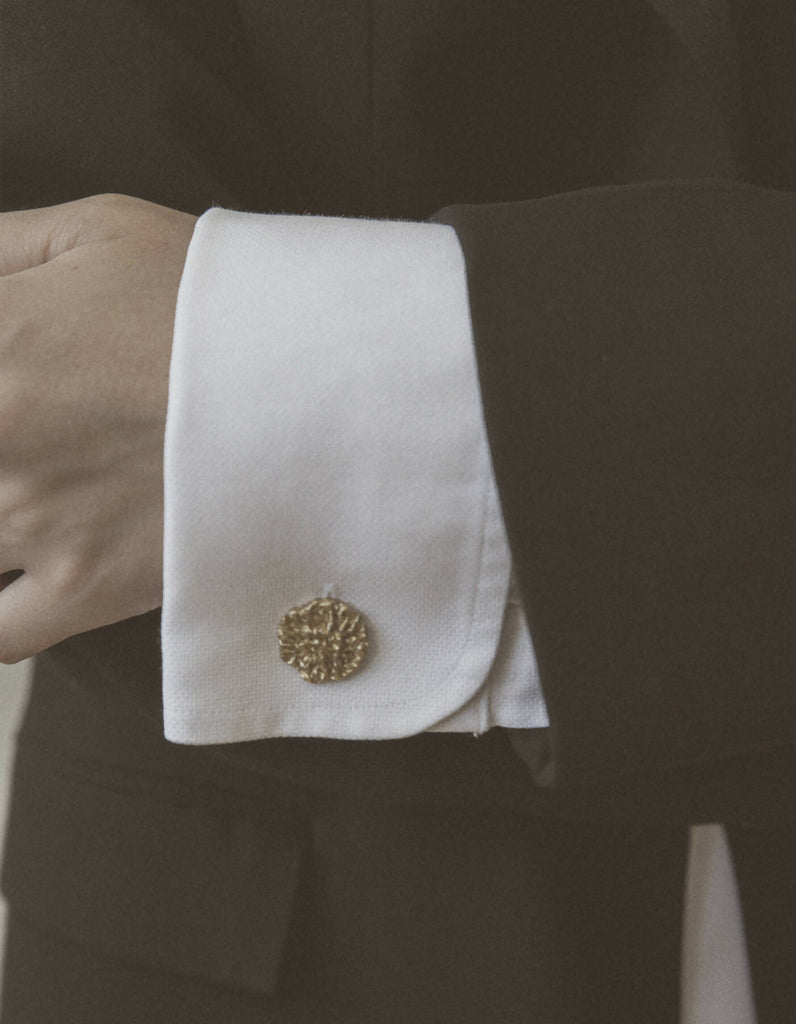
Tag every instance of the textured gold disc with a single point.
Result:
(324, 640)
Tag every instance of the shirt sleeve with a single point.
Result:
(325, 439)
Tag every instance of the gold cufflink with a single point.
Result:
(324, 640)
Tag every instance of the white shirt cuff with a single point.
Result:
(325, 435)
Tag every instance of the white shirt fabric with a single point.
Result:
(325, 436)
(716, 983)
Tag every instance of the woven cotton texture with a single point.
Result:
(325, 436)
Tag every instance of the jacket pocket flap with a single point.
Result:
(201, 888)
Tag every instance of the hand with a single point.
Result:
(87, 293)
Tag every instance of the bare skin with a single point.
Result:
(87, 291)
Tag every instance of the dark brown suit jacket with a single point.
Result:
(621, 175)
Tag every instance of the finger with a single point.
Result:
(32, 619)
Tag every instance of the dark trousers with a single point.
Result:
(148, 882)
(365, 912)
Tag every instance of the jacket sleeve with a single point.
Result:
(635, 351)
